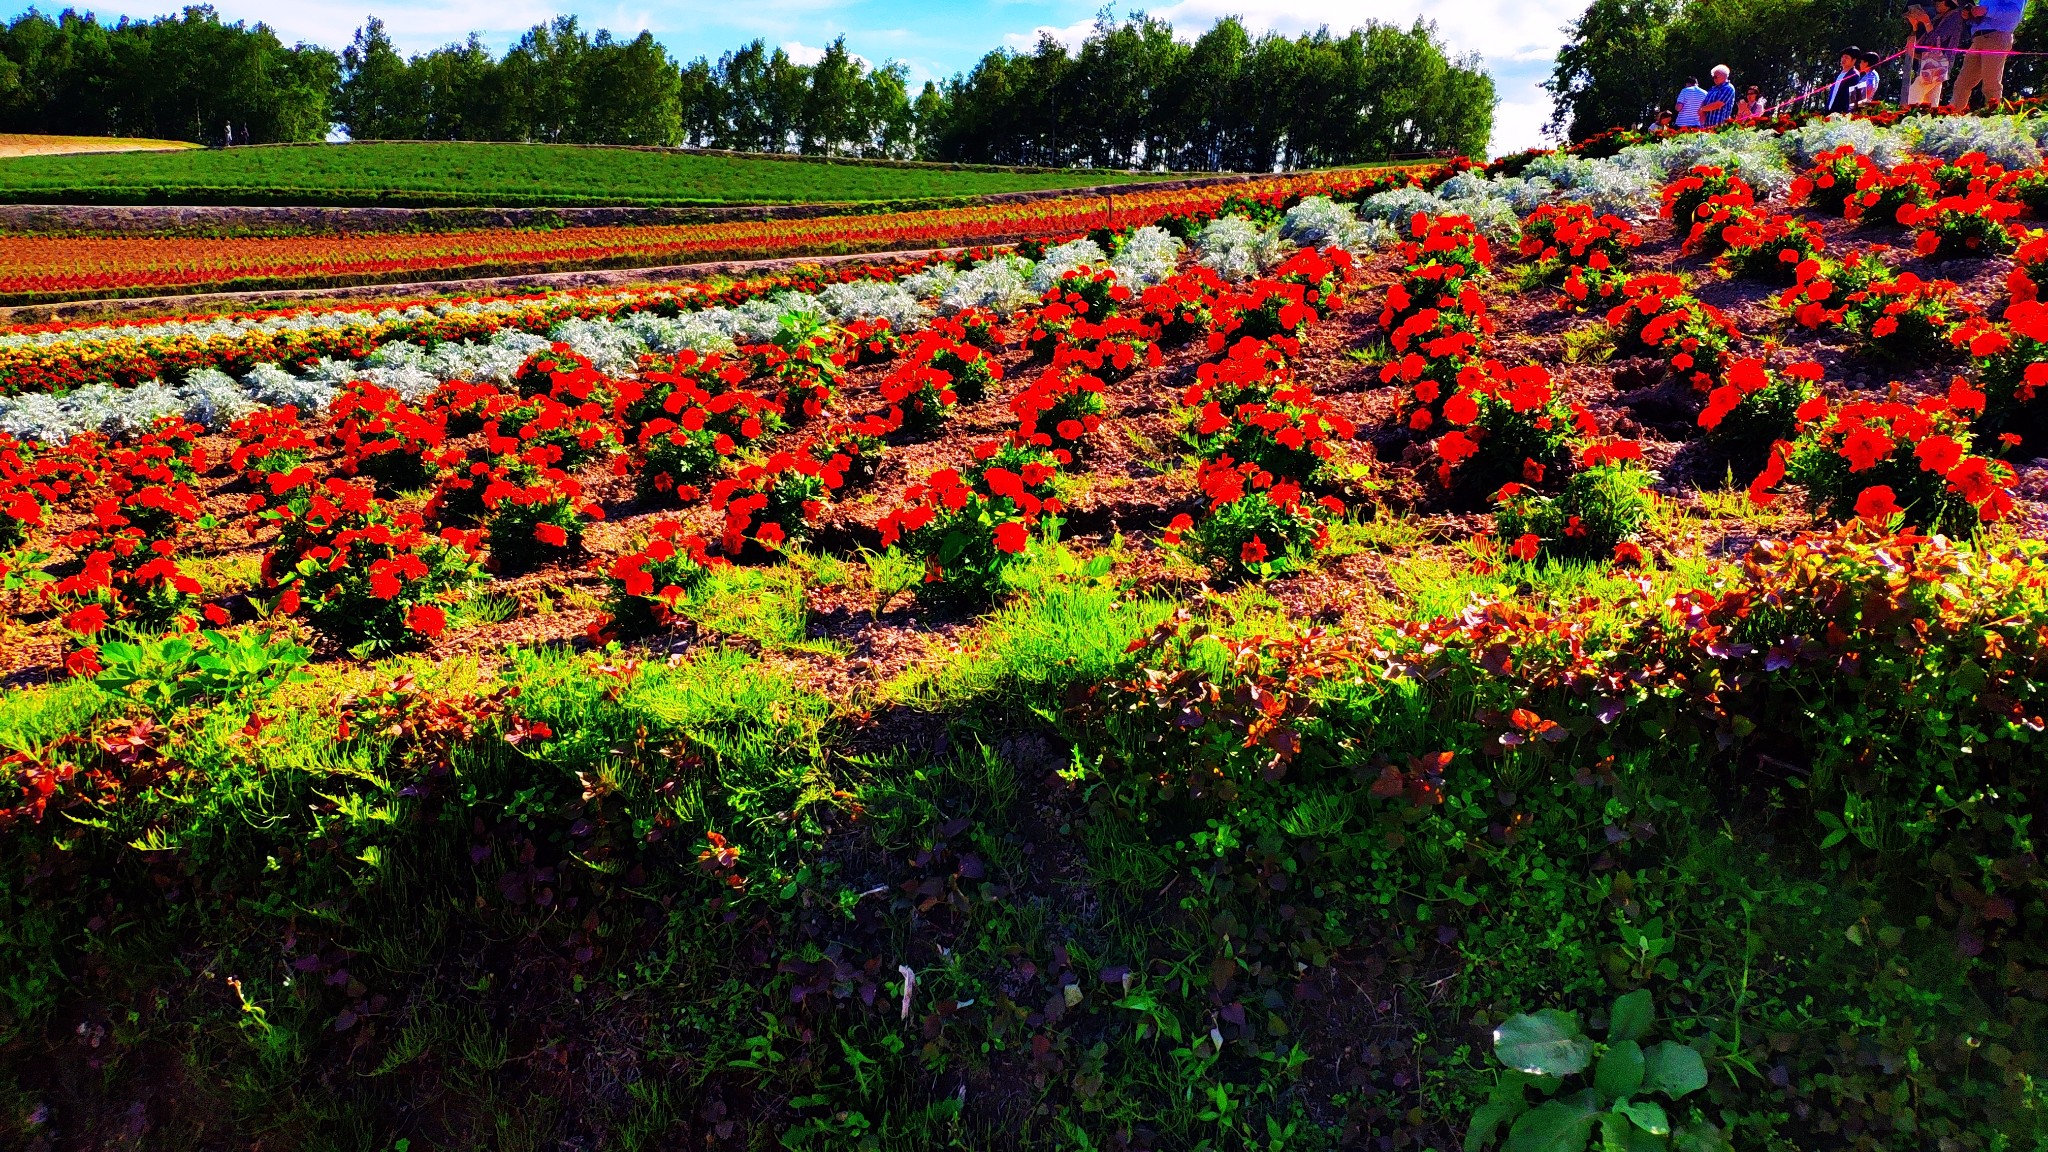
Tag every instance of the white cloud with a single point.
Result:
(1072, 35)
(805, 54)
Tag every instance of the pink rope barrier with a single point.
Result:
(1810, 92)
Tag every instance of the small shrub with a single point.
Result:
(1602, 505)
(1871, 459)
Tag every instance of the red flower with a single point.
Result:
(1461, 409)
(1876, 504)
(426, 619)
(1628, 554)
(1526, 547)
(87, 620)
(84, 662)
(1456, 448)
(1760, 493)
(1180, 524)
(1253, 552)
(1720, 403)
(1975, 480)
(770, 535)
(1939, 454)
(289, 602)
(551, 534)
(1011, 537)
(217, 615)
(1864, 446)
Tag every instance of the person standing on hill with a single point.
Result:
(1934, 37)
(1690, 98)
(1992, 24)
(1720, 105)
(1842, 93)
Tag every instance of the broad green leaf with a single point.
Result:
(1700, 1138)
(1673, 1069)
(1620, 1071)
(1633, 1015)
(1559, 1126)
(1547, 1043)
(1619, 1134)
(1487, 1121)
(1647, 1114)
(1614, 1130)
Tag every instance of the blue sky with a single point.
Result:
(1516, 37)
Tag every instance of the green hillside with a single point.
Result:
(494, 175)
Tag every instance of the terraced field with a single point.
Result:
(472, 174)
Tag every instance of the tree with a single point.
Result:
(378, 98)
(541, 74)
(834, 118)
(1611, 72)
(628, 93)
(461, 93)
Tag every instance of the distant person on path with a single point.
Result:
(1690, 98)
(1992, 25)
(1751, 106)
(1934, 37)
(1720, 105)
(1842, 93)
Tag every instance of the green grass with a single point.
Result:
(496, 175)
(1116, 919)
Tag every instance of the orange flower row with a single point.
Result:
(40, 265)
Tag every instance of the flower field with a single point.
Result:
(1542, 658)
(38, 268)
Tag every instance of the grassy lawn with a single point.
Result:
(496, 175)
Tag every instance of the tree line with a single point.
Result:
(182, 77)
(1625, 60)
(1131, 95)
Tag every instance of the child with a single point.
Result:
(1690, 98)
(1933, 38)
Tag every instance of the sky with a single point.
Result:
(1515, 38)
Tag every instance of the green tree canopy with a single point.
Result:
(183, 77)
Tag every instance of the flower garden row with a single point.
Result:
(1562, 489)
(50, 268)
(501, 463)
